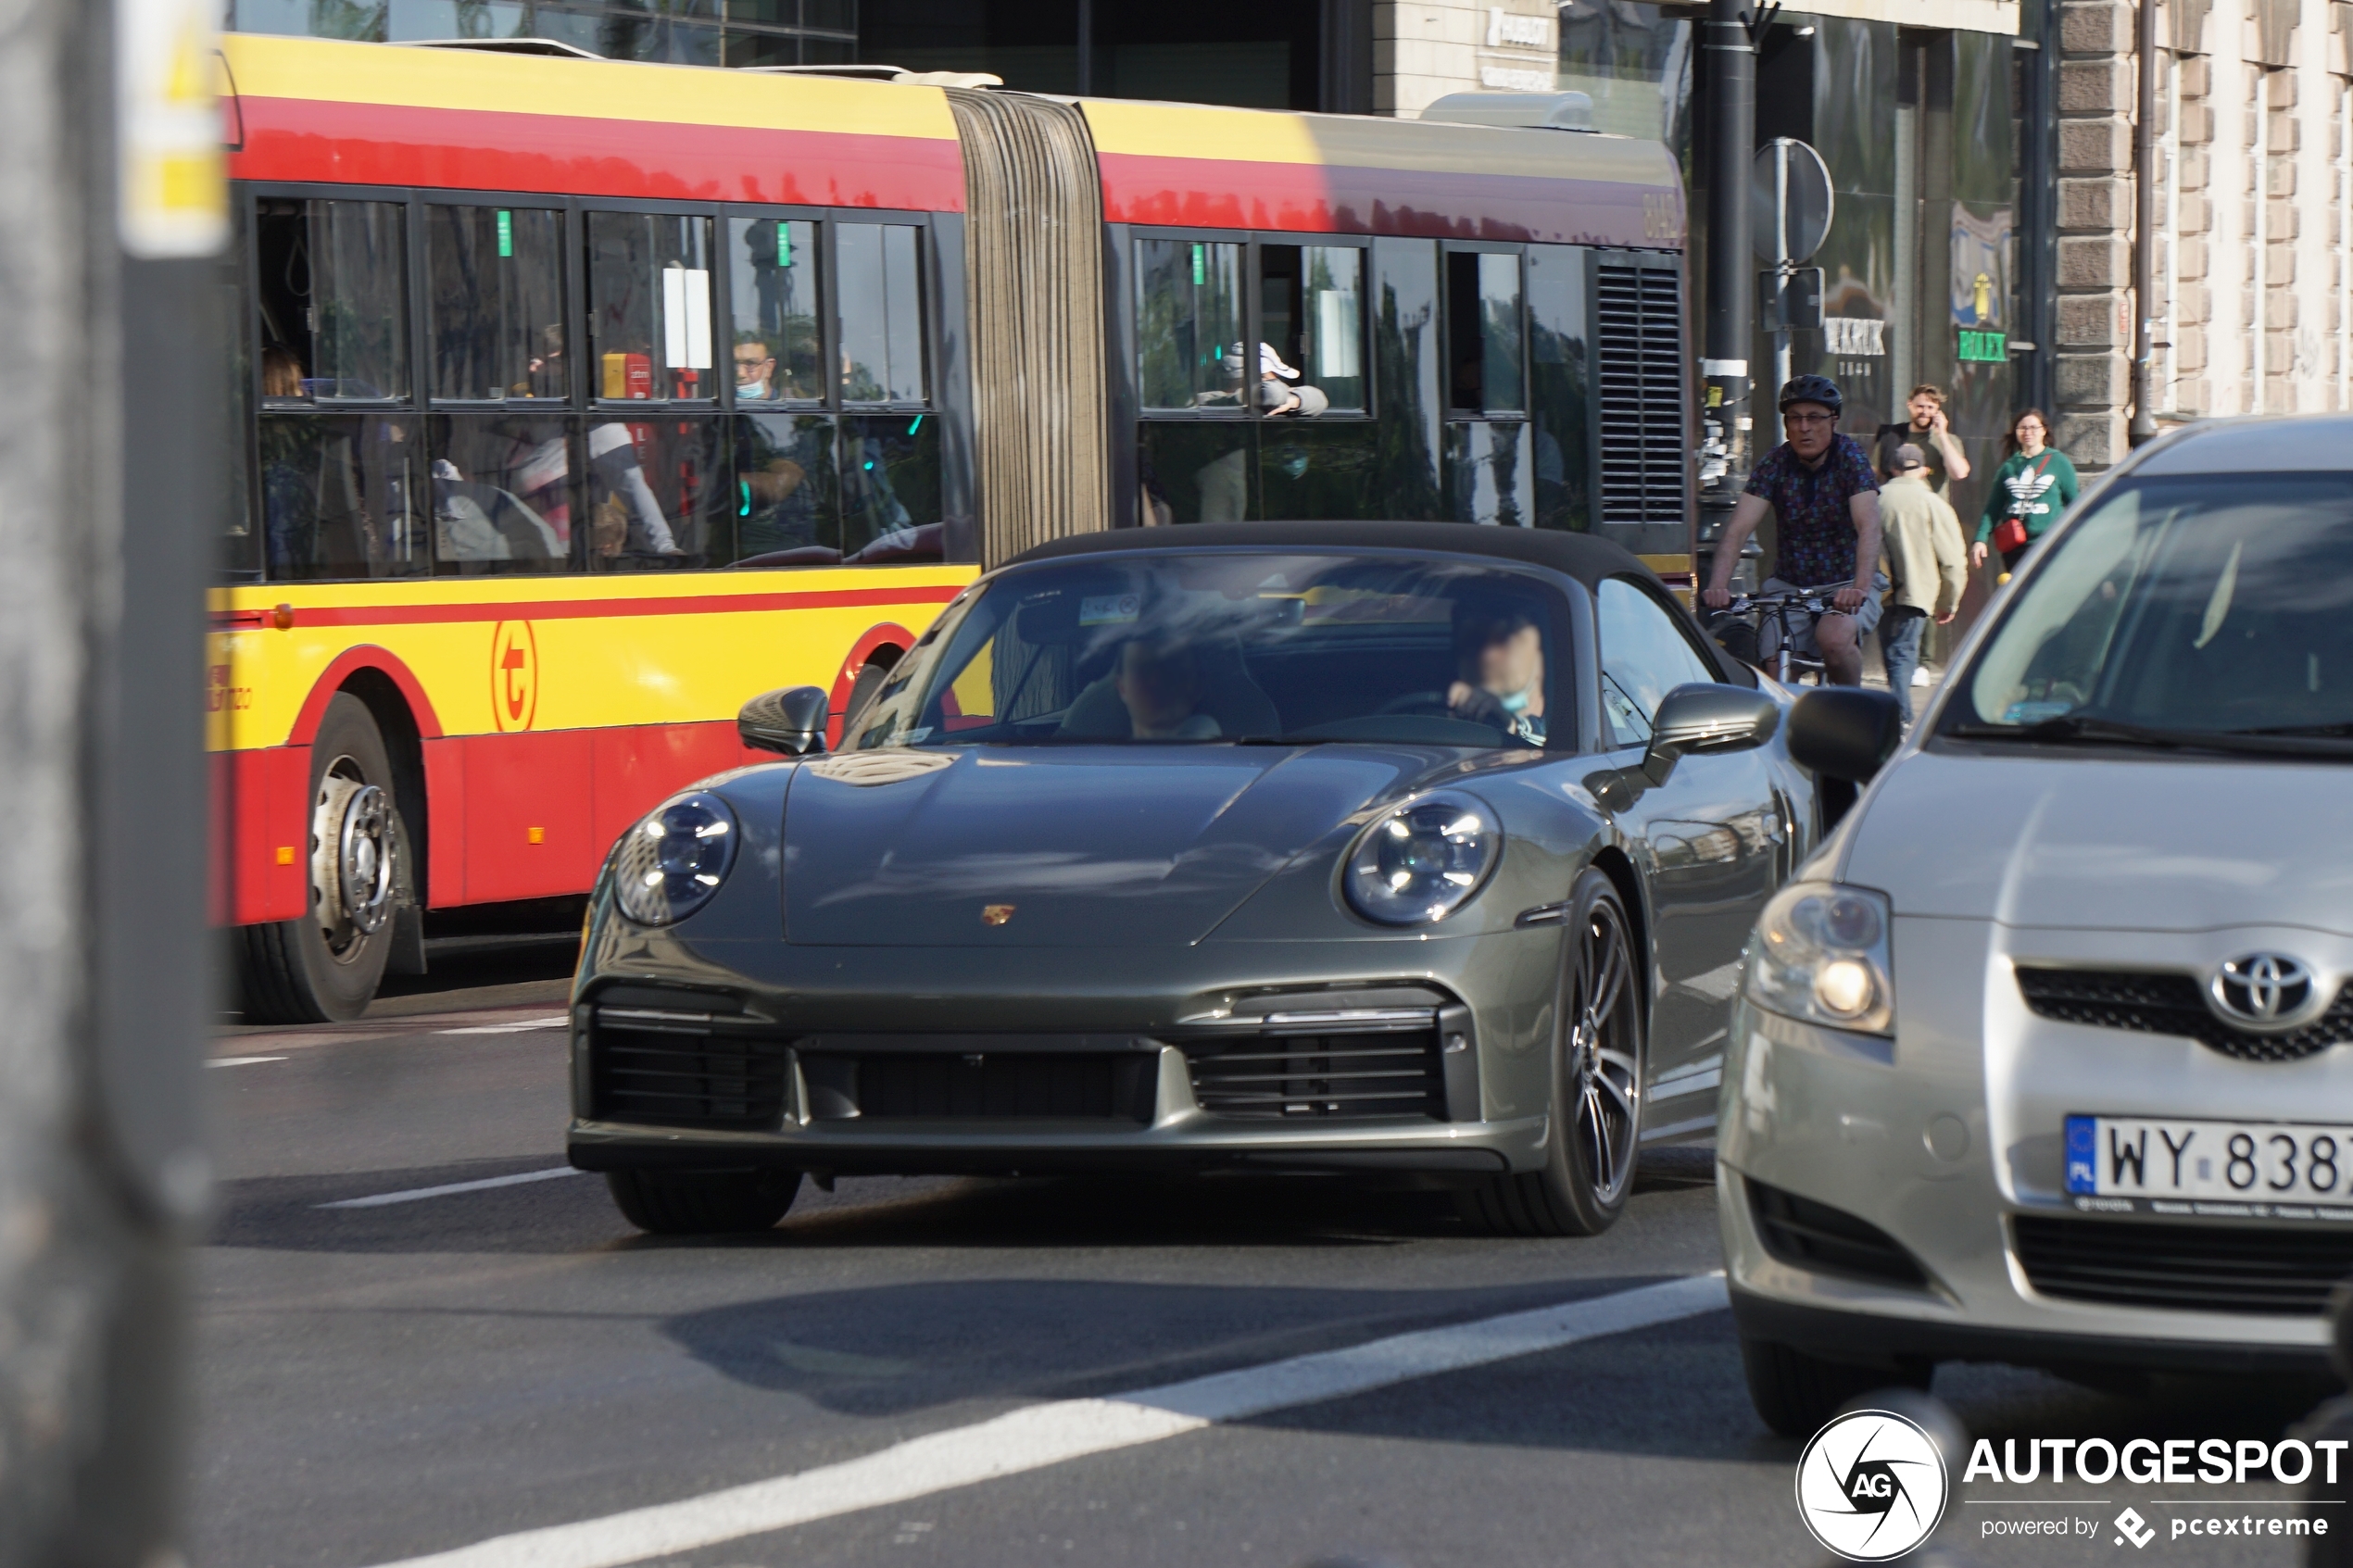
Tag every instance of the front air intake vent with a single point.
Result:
(1279, 1075)
(671, 1067)
(1815, 1237)
(2154, 1002)
(2272, 1272)
(1639, 338)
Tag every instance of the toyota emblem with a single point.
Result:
(2263, 991)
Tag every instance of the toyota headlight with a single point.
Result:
(1419, 861)
(669, 864)
(1821, 954)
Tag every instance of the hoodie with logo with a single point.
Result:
(2036, 488)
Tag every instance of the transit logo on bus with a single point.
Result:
(514, 674)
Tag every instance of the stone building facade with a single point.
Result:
(2254, 188)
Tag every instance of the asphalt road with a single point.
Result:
(388, 1381)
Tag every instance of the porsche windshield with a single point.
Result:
(1236, 646)
(2213, 612)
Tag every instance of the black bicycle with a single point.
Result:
(1761, 629)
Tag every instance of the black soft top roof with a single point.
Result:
(1580, 555)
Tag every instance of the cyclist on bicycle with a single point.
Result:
(1825, 497)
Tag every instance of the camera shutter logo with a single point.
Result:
(1871, 1486)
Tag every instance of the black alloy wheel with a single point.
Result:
(704, 1202)
(1599, 1059)
(324, 965)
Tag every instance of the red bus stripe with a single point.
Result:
(334, 142)
(1349, 199)
(594, 609)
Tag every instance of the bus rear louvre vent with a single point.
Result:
(1639, 342)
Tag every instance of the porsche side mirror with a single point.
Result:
(1844, 731)
(790, 722)
(1699, 718)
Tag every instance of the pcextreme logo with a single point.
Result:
(1871, 1486)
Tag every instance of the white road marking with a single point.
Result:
(413, 1194)
(1067, 1429)
(241, 1061)
(520, 1026)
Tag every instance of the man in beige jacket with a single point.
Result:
(1926, 562)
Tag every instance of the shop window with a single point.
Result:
(333, 301)
(1189, 324)
(337, 496)
(777, 346)
(1483, 333)
(882, 312)
(649, 306)
(1311, 313)
(495, 299)
(506, 494)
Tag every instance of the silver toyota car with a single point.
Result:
(2046, 1056)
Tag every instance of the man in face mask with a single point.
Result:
(1502, 655)
(755, 370)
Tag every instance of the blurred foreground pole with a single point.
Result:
(111, 206)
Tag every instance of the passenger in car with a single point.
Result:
(1160, 686)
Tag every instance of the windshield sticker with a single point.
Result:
(1109, 610)
(2035, 712)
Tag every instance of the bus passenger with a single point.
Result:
(624, 496)
(280, 373)
(755, 370)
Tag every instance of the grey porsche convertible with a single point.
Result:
(1424, 849)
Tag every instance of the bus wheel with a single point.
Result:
(324, 967)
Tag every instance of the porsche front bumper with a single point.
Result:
(1415, 1056)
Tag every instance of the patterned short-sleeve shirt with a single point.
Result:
(1815, 529)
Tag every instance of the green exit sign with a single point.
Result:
(1986, 348)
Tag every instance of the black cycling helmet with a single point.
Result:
(1811, 389)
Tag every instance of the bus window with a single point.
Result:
(333, 301)
(337, 496)
(493, 291)
(1483, 332)
(1557, 285)
(1311, 314)
(786, 506)
(882, 313)
(649, 307)
(1189, 324)
(890, 488)
(656, 496)
(772, 283)
(505, 493)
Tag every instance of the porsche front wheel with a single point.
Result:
(704, 1202)
(1597, 1085)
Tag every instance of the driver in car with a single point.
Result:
(1501, 655)
(1159, 682)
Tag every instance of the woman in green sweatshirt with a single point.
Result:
(2035, 484)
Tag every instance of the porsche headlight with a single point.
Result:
(1418, 862)
(1821, 954)
(669, 864)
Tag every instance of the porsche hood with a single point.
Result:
(1058, 847)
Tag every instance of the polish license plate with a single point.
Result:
(2211, 1169)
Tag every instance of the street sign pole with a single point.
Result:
(108, 471)
(1781, 263)
(1731, 52)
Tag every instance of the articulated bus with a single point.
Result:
(580, 401)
